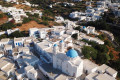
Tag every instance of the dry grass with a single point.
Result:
(21, 6)
(3, 20)
(31, 24)
(115, 53)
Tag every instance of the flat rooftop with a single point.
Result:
(3, 63)
(5, 40)
(104, 77)
(89, 64)
(44, 45)
(8, 68)
(27, 68)
(18, 39)
(8, 46)
(91, 76)
(111, 71)
(2, 76)
(61, 77)
(28, 58)
(102, 67)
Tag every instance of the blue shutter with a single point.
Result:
(18, 44)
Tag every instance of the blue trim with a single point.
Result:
(61, 41)
(55, 45)
(18, 44)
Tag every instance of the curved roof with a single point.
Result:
(72, 53)
(84, 27)
(61, 41)
(55, 45)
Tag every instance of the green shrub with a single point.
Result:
(1, 15)
(19, 24)
(26, 20)
(6, 26)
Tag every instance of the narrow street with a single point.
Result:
(41, 75)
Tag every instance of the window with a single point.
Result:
(98, 72)
(18, 44)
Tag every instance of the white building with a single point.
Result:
(59, 19)
(62, 77)
(70, 24)
(17, 14)
(74, 14)
(96, 76)
(31, 72)
(6, 65)
(18, 42)
(4, 41)
(68, 63)
(101, 69)
(24, 50)
(33, 31)
(58, 32)
(36, 32)
(9, 31)
(89, 67)
(111, 72)
(90, 30)
(2, 32)
(77, 0)
(42, 33)
(11, 0)
(8, 49)
(37, 12)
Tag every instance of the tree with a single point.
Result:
(77, 28)
(103, 58)
(99, 24)
(19, 24)
(101, 48)
(111, 55)
(6, 26)
(36, 15)
(102, 36)
(75, 36)
(89, 52)
(107, 42)
(45, 23)
(17, 34)
(26, 20)
(45, 18)
(119, 55)
(3, 36)
(1, 15)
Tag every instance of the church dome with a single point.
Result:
(84, 27)
(55, 45)
(61, 41)
(72, 53)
